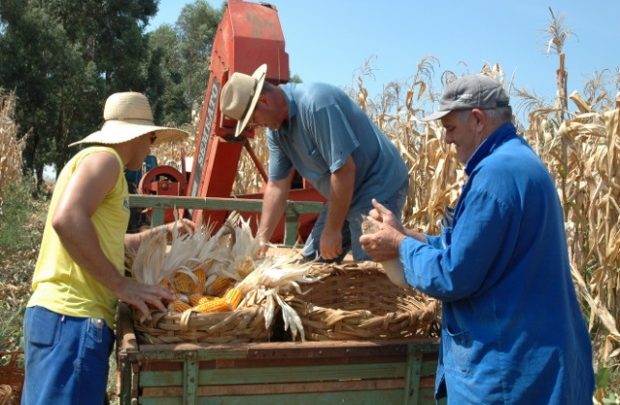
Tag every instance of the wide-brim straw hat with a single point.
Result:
(240, 95)
(127, 116)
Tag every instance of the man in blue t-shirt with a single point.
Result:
(317, 130)
(512, 330)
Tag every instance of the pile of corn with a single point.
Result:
(219, 273)
(202, 295)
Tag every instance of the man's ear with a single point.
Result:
(480, 117)
(263, 99)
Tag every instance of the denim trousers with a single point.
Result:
(66, 358)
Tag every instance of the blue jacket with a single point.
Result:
(512, 329)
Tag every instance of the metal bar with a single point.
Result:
(411, 392)
(190, 379)
(255, 159)
(157, 217)
(290, 229)
(217, 203)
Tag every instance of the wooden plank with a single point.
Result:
(277, 374)
(412, 376)
(261, 389)
(148, 365)
(329, 348)
(352, 397)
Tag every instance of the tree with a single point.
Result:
(171, 107)
(196, 29)
(63, 58)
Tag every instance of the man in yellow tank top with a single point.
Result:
(78, 278)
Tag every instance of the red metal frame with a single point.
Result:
(163, 180)
(248, 36)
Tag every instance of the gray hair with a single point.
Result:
(499, 114)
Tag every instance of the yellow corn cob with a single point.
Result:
(216, 305)
(183, 283)
(194, 299)
(233, 296)
(220, 286)
(202, 278)
(166, 284)
(206, 298)
(180, 306)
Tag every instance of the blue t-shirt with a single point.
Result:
(324, 128)
(512, 329)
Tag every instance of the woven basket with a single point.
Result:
(11, 377)
(358, 301)
(242, 325)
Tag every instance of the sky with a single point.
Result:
(330, 40)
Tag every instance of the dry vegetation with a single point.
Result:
(582, 152)
(10, 147)
(580, 148)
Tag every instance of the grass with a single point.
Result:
(22, 218)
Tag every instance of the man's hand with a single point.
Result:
(141, 296)
(382, 214)
(331, 244)
(263, 247)
(383, 244)
(183, 225)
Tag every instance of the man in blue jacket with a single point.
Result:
(512, 330)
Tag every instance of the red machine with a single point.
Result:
(248, 36)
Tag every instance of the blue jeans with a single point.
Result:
(66, 358)
(351, 229)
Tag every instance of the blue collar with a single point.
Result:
(502, 134)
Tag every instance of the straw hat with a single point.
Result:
(128, 116)
(240, 95)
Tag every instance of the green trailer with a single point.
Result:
(277, 372)
(327, 372)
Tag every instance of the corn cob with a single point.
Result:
(202, 278)
(216, 305)
(206, 298)
(180, 306)
(219, 286)
(233, 296)
(183, 283)
(164, 282)
(194, 299)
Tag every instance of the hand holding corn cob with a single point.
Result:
(382, 235)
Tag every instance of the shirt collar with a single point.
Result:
(292, 104)
(502, 134)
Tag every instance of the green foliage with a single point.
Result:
(63, 58)
(295, 79)
(16, 210)
(22, 218)
(607, 384)
(196, 29)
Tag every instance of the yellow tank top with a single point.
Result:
(59, 284)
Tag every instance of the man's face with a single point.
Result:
(142, 147)
(265, 116)
(463, 129)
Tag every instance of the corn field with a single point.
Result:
(581, 150)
